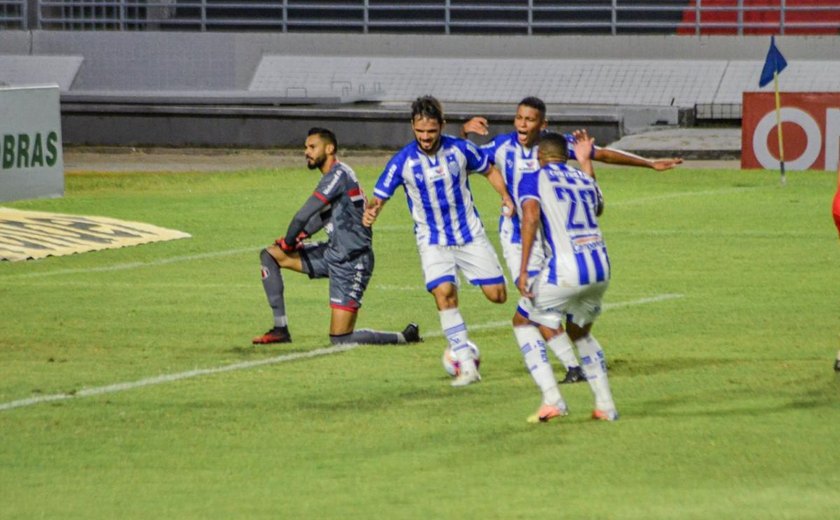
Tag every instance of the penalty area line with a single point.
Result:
(245, 365)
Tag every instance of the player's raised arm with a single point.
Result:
(476, 125)
(583, 151)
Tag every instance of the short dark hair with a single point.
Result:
(535, 103)
(325, 134)
(553, 144)
(428, 107)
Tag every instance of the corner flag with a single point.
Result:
(773, 64)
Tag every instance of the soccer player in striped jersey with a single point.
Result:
(432, 170)
(515, 154)
(337, 205)
(561, 202)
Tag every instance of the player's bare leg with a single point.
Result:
(496, 293)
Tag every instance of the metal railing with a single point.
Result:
(13, 14)
(432, 16)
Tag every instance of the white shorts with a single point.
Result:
(477, 261)
(553, 304)
(513, 258)
(513, 252)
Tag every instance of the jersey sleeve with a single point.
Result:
(477, 159)
(490, 149)
(304, 217)
(528, 187)
(390, 179)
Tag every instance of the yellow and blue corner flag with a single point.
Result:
(775, 63)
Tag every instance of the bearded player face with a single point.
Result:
(315, 151)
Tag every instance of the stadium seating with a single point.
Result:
(802, 17)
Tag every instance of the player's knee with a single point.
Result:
(520, 320)
(446, 296)
(496, 294)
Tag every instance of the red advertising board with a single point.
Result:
(810, 130)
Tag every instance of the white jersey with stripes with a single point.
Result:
(437, 190)
(570, 232)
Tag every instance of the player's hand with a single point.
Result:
(303, 235)
(508, 208)
(523, 285)
(372, 209)
(581, 134)
(661, 165)
(476, 125)
(583, 145)
(285, 247)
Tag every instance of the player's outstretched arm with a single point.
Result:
(614, 156)
(372, 209)
(494, 176)
(476, 125)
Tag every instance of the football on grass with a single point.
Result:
(452, 366)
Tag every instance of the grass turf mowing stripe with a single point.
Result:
(170, 378)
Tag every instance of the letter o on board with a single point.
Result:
(788, 115)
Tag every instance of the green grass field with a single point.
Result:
(720, 330)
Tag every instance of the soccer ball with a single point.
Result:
(452, 365)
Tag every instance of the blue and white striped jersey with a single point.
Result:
(437, 190)
(514, 160)
(567, 198)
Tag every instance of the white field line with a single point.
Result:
(169, 378)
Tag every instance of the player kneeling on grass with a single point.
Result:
(337, 206)
(562, 202)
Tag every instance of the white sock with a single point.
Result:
(561, 345)
(455, 331)
(532, 346)
(594, 366)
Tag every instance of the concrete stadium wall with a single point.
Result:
(136, 60)
(201, 63)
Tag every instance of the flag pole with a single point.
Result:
(782, 179)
